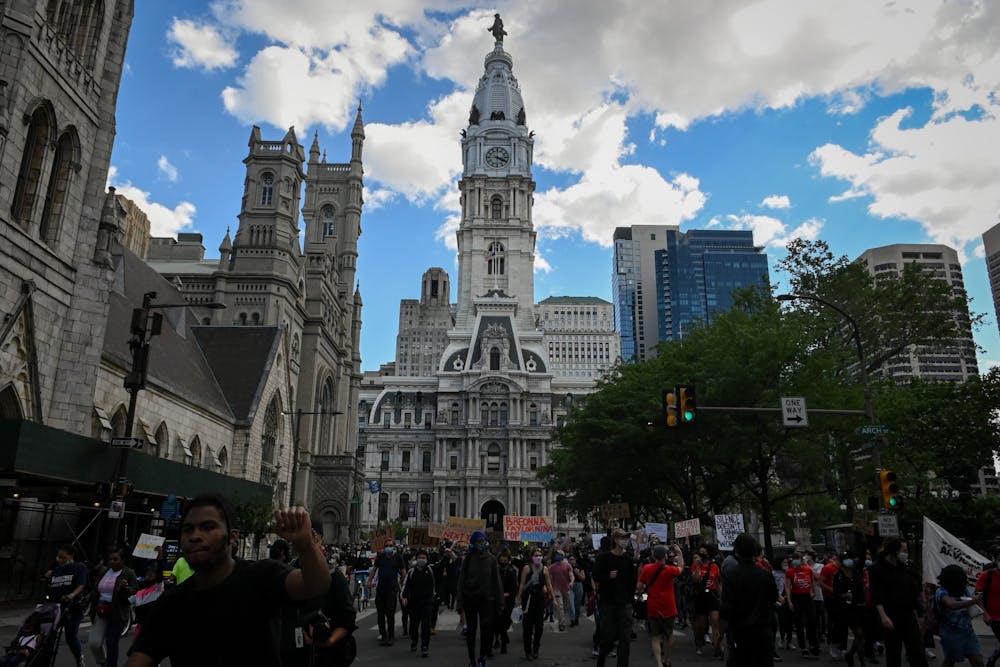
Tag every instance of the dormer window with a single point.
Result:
(266, 189)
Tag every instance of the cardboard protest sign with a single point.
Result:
(727, 527)
(527, 529)
(658, 529)
(687, 528)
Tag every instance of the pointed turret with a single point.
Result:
(254, 137)
(357, 136)
(225, 251)
(314, 149)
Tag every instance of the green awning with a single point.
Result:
(28, 449)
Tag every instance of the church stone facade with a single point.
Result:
(468, 438)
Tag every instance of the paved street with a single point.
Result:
(572, 647)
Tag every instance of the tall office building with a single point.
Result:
(580, 335)
(424, 325)
(665, 280)
(991, 244)
(953, 359)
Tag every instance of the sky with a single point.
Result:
(857, 122)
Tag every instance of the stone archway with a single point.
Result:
(493, 511)
(10, 404)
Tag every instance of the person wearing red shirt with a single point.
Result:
(657, 581)
(836, 620)
(799, 591)
(988, 583)
(705, 577)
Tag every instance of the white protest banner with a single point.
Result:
(942, 548)
(527, 529)
(658, 529)
(687, 528)
(727, 527)
(146, 546)
(596, 540)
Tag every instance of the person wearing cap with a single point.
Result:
(656, 580)
(479, 596)
(615, 576)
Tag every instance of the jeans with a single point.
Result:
(615, 626)
(104, 636)
(577, 594)
(533, 621)
(71, 626)
(479, 614)
(804, 613)
(385, 605)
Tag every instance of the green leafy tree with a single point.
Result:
(254, 519)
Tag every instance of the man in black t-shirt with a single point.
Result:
(387, 576)
(227, 613)
(614, 574)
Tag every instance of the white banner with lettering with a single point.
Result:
(942, 548)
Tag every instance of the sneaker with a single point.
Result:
(778, 658)
(792, 646)
(613, 654)
(806, 653)
(699, 651)
(482, 662)
(595, 653)
(423, 652)
(930, 654)
(562, 628)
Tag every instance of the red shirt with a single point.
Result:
(827, 573)
(661, 602)
(711, 575)
(801, 580)
(992, 596)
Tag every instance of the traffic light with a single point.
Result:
(670, 408)
(890, 490)
(687, 405)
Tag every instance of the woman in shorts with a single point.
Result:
(958, 638)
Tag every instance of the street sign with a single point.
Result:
(888, 525)
(127, 443)
(793, 411)
(874, 429)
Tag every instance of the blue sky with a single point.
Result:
(856, 123)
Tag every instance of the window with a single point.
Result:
(532, 415)
(29, 176)
(78, 23)
(532, 464)
(326, 218)
(532, 509)
(383, 506)
(266, 189)
(453, 462)
(425, 507)
(55, 194)
(503, 414)
(223, 460)
(195, 449)
(493, 458)
(406, 462)
(496, 207)
(270, 435)
(404, 506)
(407, 419)
(425, 462)
(452, 509)
(326, 418)
(494, 358)
(385, 461)
(455, 413)
(386, 418)
(495, 259)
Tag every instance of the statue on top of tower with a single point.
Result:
(497, 28)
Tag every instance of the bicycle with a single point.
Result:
(361, 592)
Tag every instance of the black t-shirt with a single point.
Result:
(619, 590)
(65, 578)
(234, 623)
(389, 567)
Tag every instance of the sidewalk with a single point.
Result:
(12, 614)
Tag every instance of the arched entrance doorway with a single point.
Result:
(493, 511)
(10, 404)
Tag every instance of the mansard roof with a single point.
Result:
(176, 361)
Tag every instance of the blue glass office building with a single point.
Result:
(664, 280)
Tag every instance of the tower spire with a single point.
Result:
(314, 149)
(357, 136)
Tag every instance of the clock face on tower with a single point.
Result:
(497, 157)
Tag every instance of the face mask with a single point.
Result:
(622, 544)
(481, 546)
(537, 560)
(390, 550)
(868, 562)
(849, 563)
(903, 557)
(421, 562)
(796, 563)
(784, 568)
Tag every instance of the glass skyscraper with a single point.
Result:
(664, 280)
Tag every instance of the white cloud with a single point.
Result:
(776, 201)
(942, 174)
(541, 264)
(164, 221)
(167, 170)
(979, 251)
(199, 45)
(771, 232)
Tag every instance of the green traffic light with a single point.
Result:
(688, 416)
(893, 502)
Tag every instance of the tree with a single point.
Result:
(254, 519)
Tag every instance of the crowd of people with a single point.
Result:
(297, 607)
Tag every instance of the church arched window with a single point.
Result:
(78, 23)
(55, 195)
(496, 207)
(327, 222)
(29, 176)
(270, 436)
(195, 448)
(266, 189)
(326, 418)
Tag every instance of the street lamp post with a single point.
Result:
(295, 446)
(869, 408)
(145, 324)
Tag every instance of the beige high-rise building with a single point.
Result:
(991, 244)
(135, 226)
(424, 325)
(953, 359)
(580, 335)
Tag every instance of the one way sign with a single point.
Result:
(793, 411)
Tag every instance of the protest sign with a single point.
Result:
(146, 546)
(942, 548)
(418, 537)
(687, 528)
(380, 537)
(727, 527)
(658, 529)
(596, 540)
(527, 529)
(615, 511)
